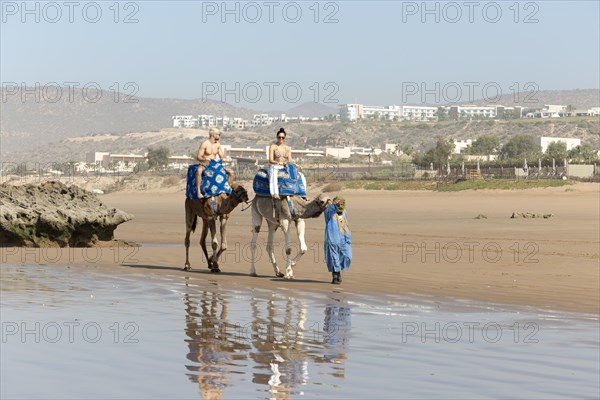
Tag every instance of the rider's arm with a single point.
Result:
(201, 156)
(272, 159)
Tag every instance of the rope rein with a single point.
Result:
(249, 202)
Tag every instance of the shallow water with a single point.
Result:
(78, 332)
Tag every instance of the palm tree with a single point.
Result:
(397, 148)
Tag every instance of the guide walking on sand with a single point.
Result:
(338, 240)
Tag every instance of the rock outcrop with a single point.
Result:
(530, 215)
(54, 214)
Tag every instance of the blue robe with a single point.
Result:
(338, 241)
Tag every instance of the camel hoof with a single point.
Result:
(215, 270)
(254, 274)
(187, 267)
(279, 275)
(289, 277)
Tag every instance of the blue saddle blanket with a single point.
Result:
(288, 180)
(214, 180)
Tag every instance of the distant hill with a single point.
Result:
(311, 110)
(578, 98)
(28, 127)
(321, 134)
(32, 120)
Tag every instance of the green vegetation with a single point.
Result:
(557, 150)
(438, 155)
(583, 153)
(485, 145)
(158, 158)
(474, 184)
(503, 184)
(521, 146)
(390, 185)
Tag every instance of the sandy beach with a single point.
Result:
(432, 292)
(403, 241)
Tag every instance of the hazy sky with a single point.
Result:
(279, 54)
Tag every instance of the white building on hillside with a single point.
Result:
(460, 145)
(590, 112)
(350, 112)
(185, 121)
(353, 112)
(262, 120)
(96, 157)
(365, 151)
(206, 121)
(472, 111)
(338, 152)
(392, 148)
(544, 141)
(554, 109)
(419, 113)
(382, 112)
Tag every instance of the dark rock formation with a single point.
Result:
(54, 214)
(530, 215)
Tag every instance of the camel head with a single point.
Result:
(239, 192)
(317, 206)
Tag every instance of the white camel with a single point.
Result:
(277, 212)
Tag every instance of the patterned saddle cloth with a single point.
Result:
(288, 180)
(214, 180)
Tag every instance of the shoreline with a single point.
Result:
(404, 243)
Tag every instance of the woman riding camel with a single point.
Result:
(279, 155)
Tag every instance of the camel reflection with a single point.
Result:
(213, 345)
(273, 341)
(279, 347)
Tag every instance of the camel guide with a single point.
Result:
(338, 241)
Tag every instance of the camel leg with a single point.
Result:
(271, 247)
(214, 243)
(256, 223)
(223, 247)
(203, 242)
(285, 227)
(189, 220)
(300, 229)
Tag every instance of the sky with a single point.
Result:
(278, 54)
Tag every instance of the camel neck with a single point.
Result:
(230, 203)
(304, 209)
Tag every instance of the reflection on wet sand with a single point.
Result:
(235, 342)
(212, 345)
(337, 333)
(276, 346)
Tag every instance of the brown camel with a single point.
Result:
(204, 209)
(278, 213)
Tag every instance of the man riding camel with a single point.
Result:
(210, 149)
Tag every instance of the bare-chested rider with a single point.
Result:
(210, 149)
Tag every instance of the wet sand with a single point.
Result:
(403, 241)
(215, 340)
